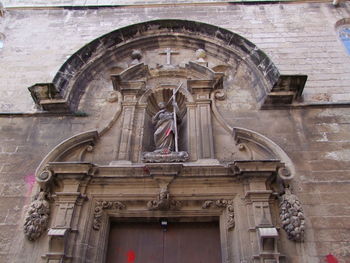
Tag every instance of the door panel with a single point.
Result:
(192, 243)
(149, 243)
(135, 243)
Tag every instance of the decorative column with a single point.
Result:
(201, 90)
(129, 84)
(136, 140)
(263, 234)
(127, 117)
(191, 131)
(68, 203)
(200, 122)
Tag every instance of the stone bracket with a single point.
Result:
(164, 200)
(57, 248)
(287, 90)
(48, 97)
(268, 240)
(259, 168)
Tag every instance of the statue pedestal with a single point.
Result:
(160, 157)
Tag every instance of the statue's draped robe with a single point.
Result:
(165, 130)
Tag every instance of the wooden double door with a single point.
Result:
(194, 242)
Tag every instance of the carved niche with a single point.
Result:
(142, 90)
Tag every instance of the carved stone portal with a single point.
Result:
(215, 171)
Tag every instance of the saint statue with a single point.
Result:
(165, 135)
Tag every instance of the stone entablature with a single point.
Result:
(89, 196)
(103, 3)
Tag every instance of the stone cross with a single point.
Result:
(65, 214)
(168, 52)
(263, 219)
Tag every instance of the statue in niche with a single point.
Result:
(165, 123)
(166, 134)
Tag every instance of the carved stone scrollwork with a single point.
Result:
(164, 202)
(230, 216)
(292, 216)
(222, 203)
(220, 95)
(37, 217)
(44, 178)
(284, 173)
(102, 205)
(112, 96)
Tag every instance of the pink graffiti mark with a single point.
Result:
(331, 259)
(29, 180)
(131, 256)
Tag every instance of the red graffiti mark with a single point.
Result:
(145, 170)
(331, 259)
(131, 256)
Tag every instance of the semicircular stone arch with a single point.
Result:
(111, 53)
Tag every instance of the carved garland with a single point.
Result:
(102, 205)
(222, 203)
(37, 217)
(292, 216)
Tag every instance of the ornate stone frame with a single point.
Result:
(219, 214)
(222, 191)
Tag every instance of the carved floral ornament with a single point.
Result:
(164, 202)
(102, 205)
(222, 203)
(37, 217)
(292, 216)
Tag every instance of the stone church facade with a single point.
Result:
(251, 145)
